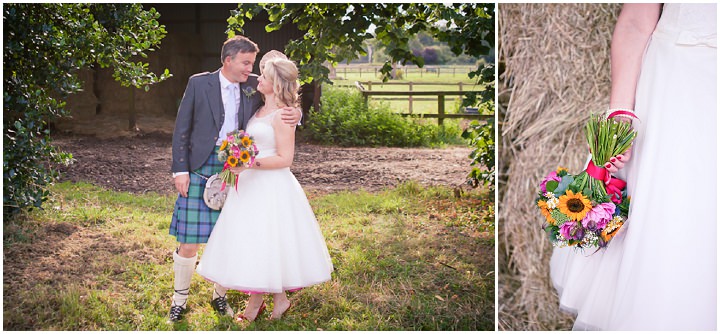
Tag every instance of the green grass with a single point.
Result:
(452, 103)
(409, 258)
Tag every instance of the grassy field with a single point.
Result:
(452, 103)
(409, 258)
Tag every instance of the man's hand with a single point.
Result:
(291, 115)
(182, 184)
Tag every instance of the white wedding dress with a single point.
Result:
(266, 238)
(660, 271)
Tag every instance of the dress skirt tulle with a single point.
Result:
(266, 238)
(660, 272)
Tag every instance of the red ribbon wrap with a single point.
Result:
(613, 185)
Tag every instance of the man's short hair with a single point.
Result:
(237, 44)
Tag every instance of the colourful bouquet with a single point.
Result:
(588, 209)
(238, 149)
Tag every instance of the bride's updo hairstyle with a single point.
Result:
(284, 76)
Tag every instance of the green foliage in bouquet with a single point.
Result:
(624, 206)
(606, 138)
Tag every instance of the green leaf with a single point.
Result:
(551, 186)
(559, 216)
(58, 39)
(565, 181)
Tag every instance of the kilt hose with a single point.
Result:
(192, 220)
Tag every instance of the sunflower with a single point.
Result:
(232, 161)
(224, 145)
(575, 206)
(246, 141)
(244, 156)
(545, 211)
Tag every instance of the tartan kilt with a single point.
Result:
(192, 220)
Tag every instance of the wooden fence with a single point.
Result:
(410, 85)
(410, 96)
(373, 70)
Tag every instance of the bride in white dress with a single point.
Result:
(266, 239)
(660, 271)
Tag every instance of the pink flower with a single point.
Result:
(551, 177)
(570, 230)
(599, 216)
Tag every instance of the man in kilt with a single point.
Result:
(213, 105)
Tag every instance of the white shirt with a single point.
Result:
(230, 105)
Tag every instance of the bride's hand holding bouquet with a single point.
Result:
(238, 151)
(588, 209)
(618, 162)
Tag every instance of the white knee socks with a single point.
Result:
(184, 269)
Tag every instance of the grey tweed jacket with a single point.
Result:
(201, 115)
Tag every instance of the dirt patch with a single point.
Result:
(141, 163)
(61, 254)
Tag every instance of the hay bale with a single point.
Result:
(103, 107)
(557, 71)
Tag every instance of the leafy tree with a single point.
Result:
(335, 32)
(426, 39)
(482, 141)
(431, 55)
(44, 47)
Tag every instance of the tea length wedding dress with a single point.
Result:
(266, 239)
(659, 273)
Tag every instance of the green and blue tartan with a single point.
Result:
(192, 220)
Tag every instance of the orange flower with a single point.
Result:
(612, 228)
(546, 212)
(575, 206)
(224, 145)
(246, 141)
(232, 161)
(244, 156)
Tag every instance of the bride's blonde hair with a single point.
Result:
(284, 76)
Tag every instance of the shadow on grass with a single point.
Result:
(402, 262)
